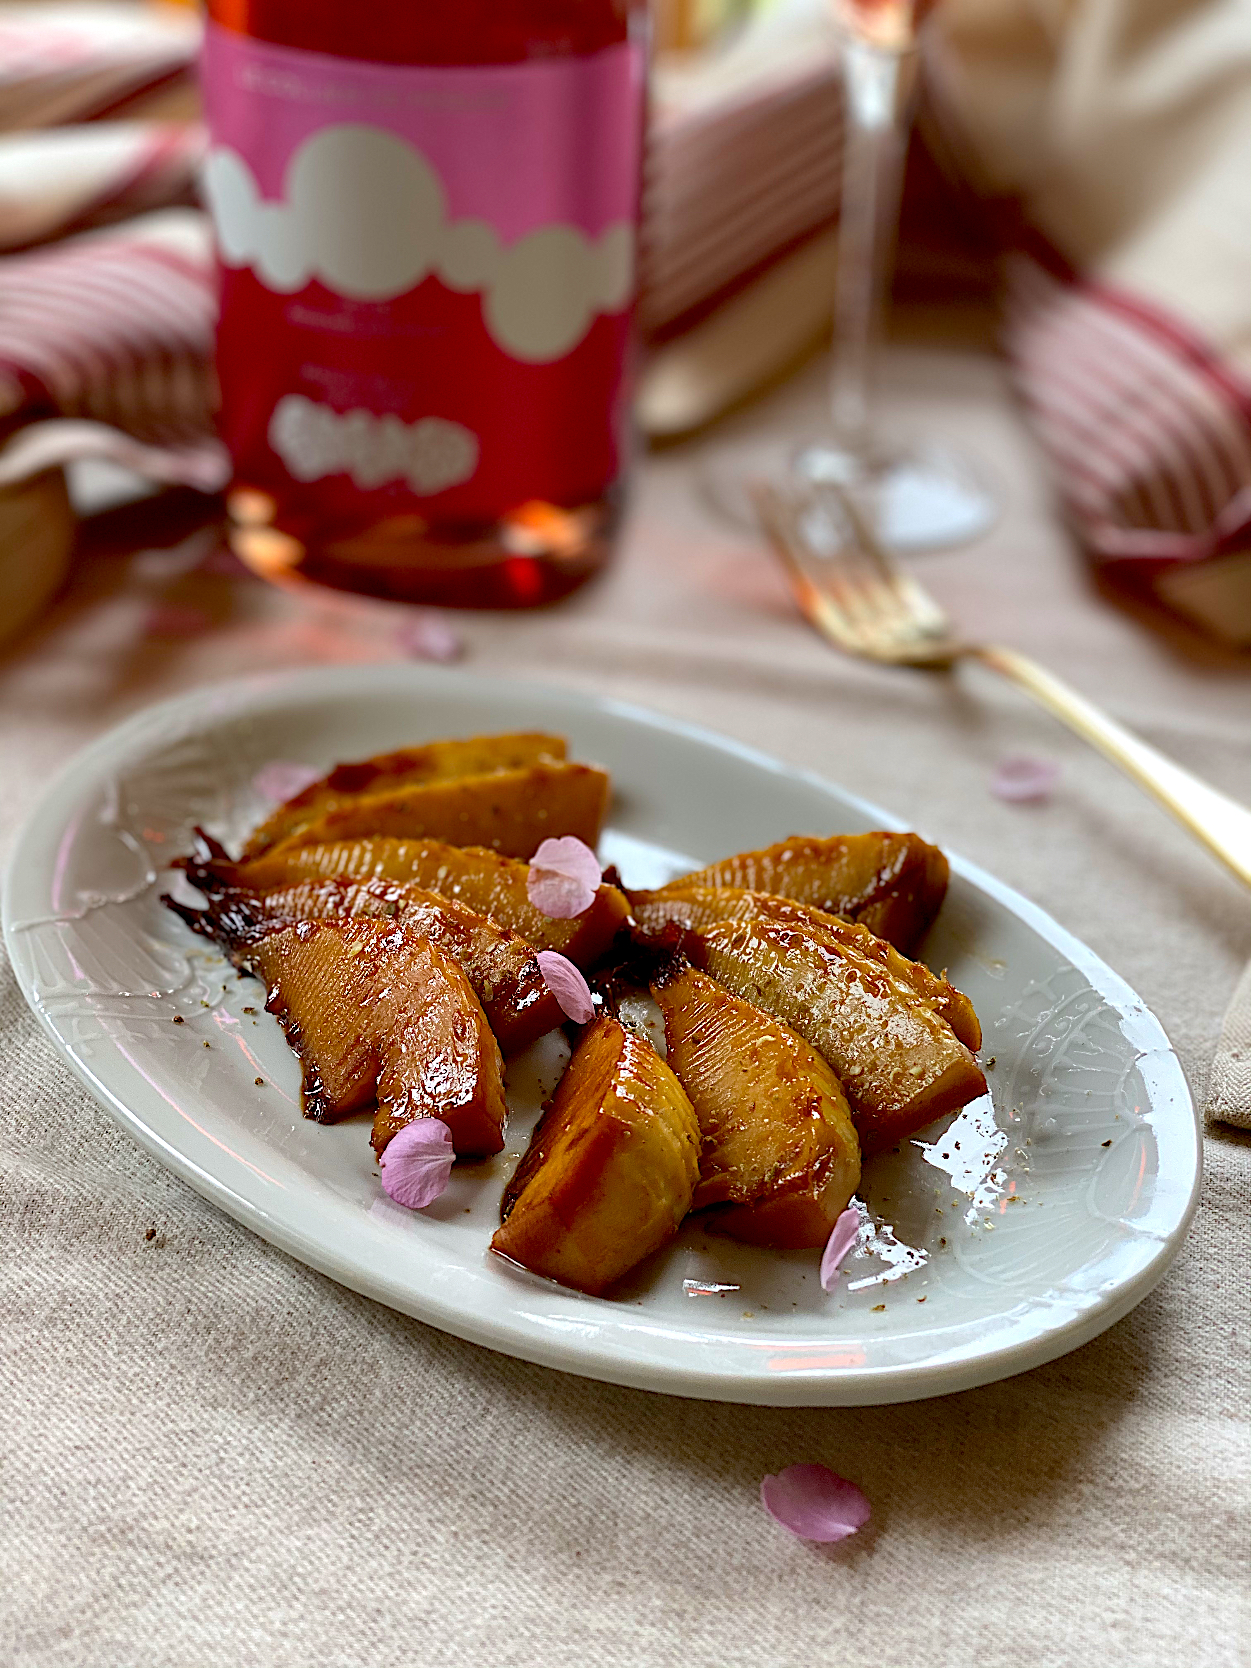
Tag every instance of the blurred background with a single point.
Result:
(1074, 200)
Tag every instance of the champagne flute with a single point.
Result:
(923, 495)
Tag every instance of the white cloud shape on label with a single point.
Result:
(365, 213)
(313, 441)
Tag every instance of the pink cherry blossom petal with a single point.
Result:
(282, 779)
(842, 1238)
(567, 985)
(557, 896)
(416, 1163)
(1024, 779)
(564, 878)
(428, 636)
(569, 856)
(815, 1503)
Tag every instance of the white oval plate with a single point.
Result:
(1021, 1231)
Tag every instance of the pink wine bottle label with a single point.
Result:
(427, 275)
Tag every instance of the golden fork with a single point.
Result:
(849, 588)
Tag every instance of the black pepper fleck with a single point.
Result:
(1105, 1143)
(177, 1020)
(151, 1234)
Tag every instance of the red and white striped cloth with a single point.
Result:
(63, 180)
(77, 62)
(733, 180)
(116, 327)
(1111, 144)
(105, 339)
(1147, 430)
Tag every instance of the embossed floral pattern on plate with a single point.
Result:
(1033, 1221)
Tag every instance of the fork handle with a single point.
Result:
(1221, 823)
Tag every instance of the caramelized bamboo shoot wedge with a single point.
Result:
(378, 1014)
(610, 1170)
(891, 883)
(409, 767)
(510, 811)
(701, 906)
(499, 964)
(780, 1156)
(900, 1064)
(483, 880)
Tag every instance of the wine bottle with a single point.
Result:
(426, 220)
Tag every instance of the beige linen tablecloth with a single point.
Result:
(214, 1456)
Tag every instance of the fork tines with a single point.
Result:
(845, 583)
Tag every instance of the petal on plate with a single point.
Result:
(282, 779)
(1021, 778)
(567, 985)
(842, 1238)
(416, 1163)
(569, 856)
(564, 878)
(814, 1503)
(557, 896)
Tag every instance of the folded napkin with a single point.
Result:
(105, 342)
(744, 155)
(77, 62)
(1229, 1088)
(1112, 143)
(105, 353)
(116, 327)
(66, 179)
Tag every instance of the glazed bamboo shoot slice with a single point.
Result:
(378, 1014)
(687, 907)
(611, 1168)
(510, 811)
(780, 1157)
(483, 880)
(891, 883)
(409, 767)
(499, 964)
(900, 1064)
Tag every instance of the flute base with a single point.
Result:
(923, 497)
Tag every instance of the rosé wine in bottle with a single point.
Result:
(426, 220)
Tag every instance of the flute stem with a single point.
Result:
(878, 86)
